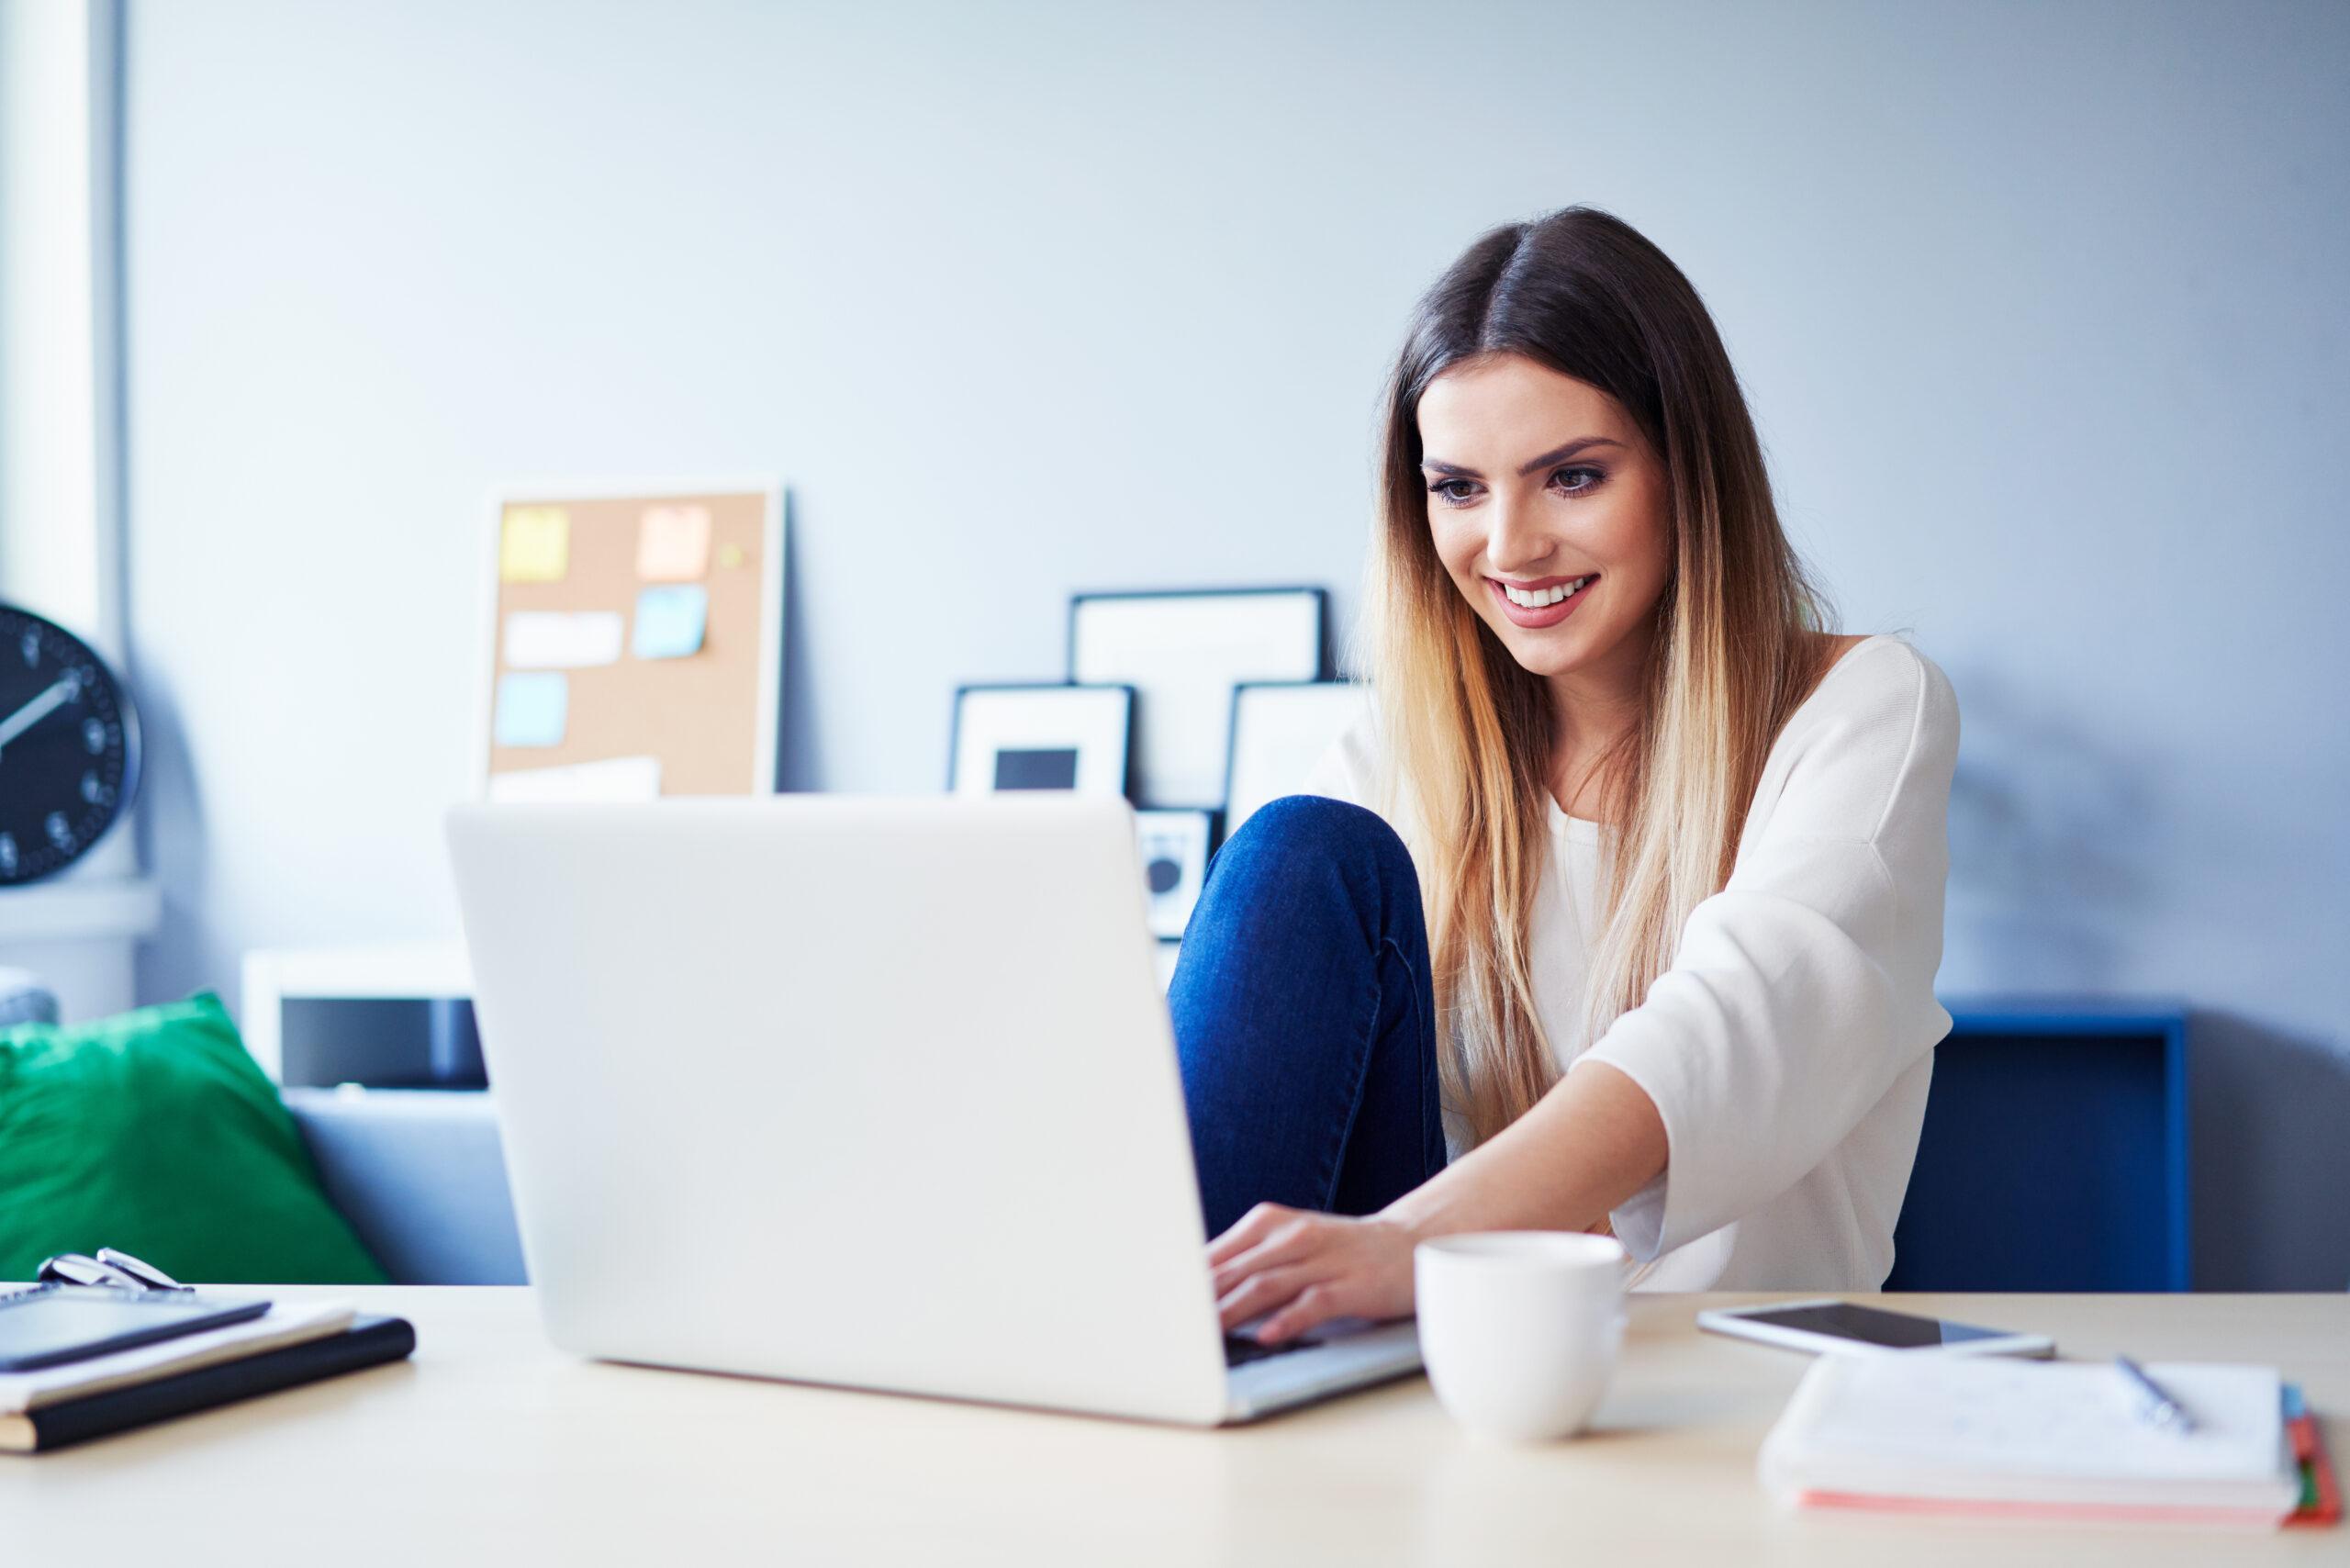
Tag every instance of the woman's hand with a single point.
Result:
(1588, 1145)
(1306, 1268)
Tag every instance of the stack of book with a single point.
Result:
(291, 1343)
(2035, 1440)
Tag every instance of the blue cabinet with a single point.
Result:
(2054, 1151)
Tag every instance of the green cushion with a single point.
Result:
(154, 1132)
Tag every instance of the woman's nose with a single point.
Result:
(1513, 545)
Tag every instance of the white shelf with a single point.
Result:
(380, 972)
(125, 910)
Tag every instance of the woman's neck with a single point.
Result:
(1595, 706)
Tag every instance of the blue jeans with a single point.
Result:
(1304, 1018)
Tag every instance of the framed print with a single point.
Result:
(1174, 847)
(1184, 652)
(1040, 736)
(1280, 731)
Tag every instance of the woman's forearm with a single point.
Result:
(1590, 1143)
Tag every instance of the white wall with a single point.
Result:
(2040, 308)
(61, 460)
(50, 558)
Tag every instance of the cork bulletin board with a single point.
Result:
(634, 645)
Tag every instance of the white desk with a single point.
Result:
(491, 1446)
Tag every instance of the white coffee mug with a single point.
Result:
(1520, 1329)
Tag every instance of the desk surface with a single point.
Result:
(491, 1442)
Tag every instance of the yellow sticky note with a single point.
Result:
(731, 556)
(673, 544)
(534, 544)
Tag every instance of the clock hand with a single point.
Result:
(40, 708)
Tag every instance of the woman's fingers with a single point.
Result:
(1290, 1242)
(1259, 1294)
(1296, 1270)
(1251, 1228)
(1313, 1306)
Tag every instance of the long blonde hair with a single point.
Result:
(1470, 732)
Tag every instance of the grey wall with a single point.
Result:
(2038, 307)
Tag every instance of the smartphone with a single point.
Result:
(49, 1326)
(1829, 1326)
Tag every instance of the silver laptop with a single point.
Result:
(872, 1092)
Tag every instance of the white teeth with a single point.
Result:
(1541, 597)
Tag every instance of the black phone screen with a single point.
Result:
(1894, 1330)
(46, 1329)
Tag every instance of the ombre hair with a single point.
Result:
(1471, 732)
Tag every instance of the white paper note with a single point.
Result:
(614, 779)
(538, 639)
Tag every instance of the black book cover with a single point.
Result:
(369, 1341)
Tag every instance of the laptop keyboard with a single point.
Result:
(1240, 1350)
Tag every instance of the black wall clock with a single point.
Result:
(69, 747)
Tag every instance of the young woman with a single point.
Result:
(1626, 910)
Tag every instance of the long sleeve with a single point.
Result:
(1802, 991)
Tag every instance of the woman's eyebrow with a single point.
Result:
(1557, 454)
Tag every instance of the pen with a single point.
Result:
(2155, 1401)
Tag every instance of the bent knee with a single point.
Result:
(1318, 825)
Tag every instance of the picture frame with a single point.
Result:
(1281, 729)
(1009, 737)
(1174, 845)
(1183, 650)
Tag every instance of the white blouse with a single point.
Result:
(1790, 1045)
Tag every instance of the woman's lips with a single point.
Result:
(1549, 614)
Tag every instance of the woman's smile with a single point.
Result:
(1539, 604)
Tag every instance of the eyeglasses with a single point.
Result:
(119, 1270)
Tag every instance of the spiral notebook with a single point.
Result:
(2035, 1440)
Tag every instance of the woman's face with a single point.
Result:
(1538, 483)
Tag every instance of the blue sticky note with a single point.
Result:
(670, 621)
(532, 708)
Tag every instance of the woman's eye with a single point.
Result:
(1577, 481)
(1454, 491)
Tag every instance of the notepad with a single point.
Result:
(284, 1324)
(2032, 1439)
